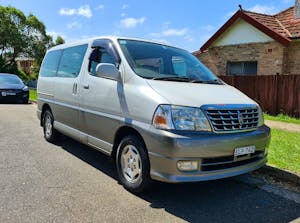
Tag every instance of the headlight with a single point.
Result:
(162, 117)
(180, 118)
(260, 117)
(25, 88)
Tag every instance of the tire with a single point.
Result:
(50, 134)
(25, 101)
(132, 154)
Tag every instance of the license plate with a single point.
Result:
(244, 150)
(3, 93)
(10, 93)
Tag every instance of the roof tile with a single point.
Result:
(283, 23)
(282, 26)
(288, 20)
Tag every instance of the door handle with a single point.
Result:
(86, 86)
(75, 88)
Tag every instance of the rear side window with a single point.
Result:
(50, 64)
(71, 61)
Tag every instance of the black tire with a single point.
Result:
(25, 101)
(144, 181)
(52, 135)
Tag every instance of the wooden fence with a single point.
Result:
(275, 93)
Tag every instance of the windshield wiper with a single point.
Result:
(216, 81)
(186, 79)
(181, 79)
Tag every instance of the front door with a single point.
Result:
(100, 101)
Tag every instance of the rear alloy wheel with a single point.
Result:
(50, 133)
(133, 164)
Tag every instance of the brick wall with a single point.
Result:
(292, 58)
(270, 57)
(25, 65)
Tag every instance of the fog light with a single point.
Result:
(187, 165)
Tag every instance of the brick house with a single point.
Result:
(251, 43)
(25, 64)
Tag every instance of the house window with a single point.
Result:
(242, 68)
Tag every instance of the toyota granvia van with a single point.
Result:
(155, 109)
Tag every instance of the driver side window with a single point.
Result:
(99, 55)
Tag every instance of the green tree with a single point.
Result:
(21, 36)
(59, 40)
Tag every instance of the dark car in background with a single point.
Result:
(12, 89)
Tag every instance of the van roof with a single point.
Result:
(87, 41)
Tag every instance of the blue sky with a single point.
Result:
(186, 24)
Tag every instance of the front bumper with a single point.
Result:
(214, 152)
(14, 96)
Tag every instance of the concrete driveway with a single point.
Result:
(69, 182)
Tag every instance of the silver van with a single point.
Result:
(155, 109)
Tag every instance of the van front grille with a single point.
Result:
(228, 119)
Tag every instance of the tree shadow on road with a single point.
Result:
(226, 200)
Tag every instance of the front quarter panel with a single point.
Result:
(140, 101)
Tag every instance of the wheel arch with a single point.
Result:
(120, 134)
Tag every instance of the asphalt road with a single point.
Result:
(69, 182)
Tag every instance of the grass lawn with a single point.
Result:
(284, 150)
(282, 118)
(32, 95)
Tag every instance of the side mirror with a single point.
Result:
(108, 70)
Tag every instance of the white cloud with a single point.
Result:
(123, 14)
(171, 32)
(131, 22)
(189, 38)
(166, 24)
(55, 34)
(174, 32)
(207, 28)
(84, 10)
(64, 11)
(229, 14)
(86, 37)
(162, 41)
(204, 38)
(264, 9)
(100, 7)
(125, 6)
(74, 25)
(286, 1)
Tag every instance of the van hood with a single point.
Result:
(198, 94)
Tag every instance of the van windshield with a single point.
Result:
(160, 62)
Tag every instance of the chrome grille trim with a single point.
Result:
(232, 118)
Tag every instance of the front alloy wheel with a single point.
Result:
(133, 165)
